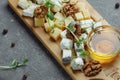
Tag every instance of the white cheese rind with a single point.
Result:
(67, 54)
(66, 44)
(77, 63)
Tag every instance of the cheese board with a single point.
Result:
(109, 72)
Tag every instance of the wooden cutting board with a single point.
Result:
(109, 72)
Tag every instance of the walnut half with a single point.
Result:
(91, 68)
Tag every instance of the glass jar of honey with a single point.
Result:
(103, 43)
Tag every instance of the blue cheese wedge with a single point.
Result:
(78, 49)
(30, 10)
(77, 63)
(24, 4)
(86, 23)
(67, 55)
(63, 34)
(66, 44)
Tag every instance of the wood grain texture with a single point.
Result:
(54, 47)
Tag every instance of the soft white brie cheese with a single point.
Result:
(67, 54)
(77, 63)
(66, 43)
(63, 34)
(30, 10)
(24, 4)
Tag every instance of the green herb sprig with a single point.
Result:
(49, 4)
(80, 40)
(15, 64)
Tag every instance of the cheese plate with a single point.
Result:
(109, 71)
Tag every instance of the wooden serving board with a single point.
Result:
(109, 72)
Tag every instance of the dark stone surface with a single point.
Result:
(41, 65)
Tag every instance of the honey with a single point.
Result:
(103, 43)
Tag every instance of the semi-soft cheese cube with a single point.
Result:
(86, 14)
(59, 16)
(49, 25)
(79, 16)
(55, 33)
(68, 20)
(39, 22)
(60, 24)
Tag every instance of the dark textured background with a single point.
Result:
(41, 65)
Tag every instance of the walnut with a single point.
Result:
(69, 35)
(40, 12)
(78, 30)
(91, 67)
(70, 9)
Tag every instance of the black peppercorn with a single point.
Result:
(5, 31)
(24, 77)
(117, 5)
(12, 45)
